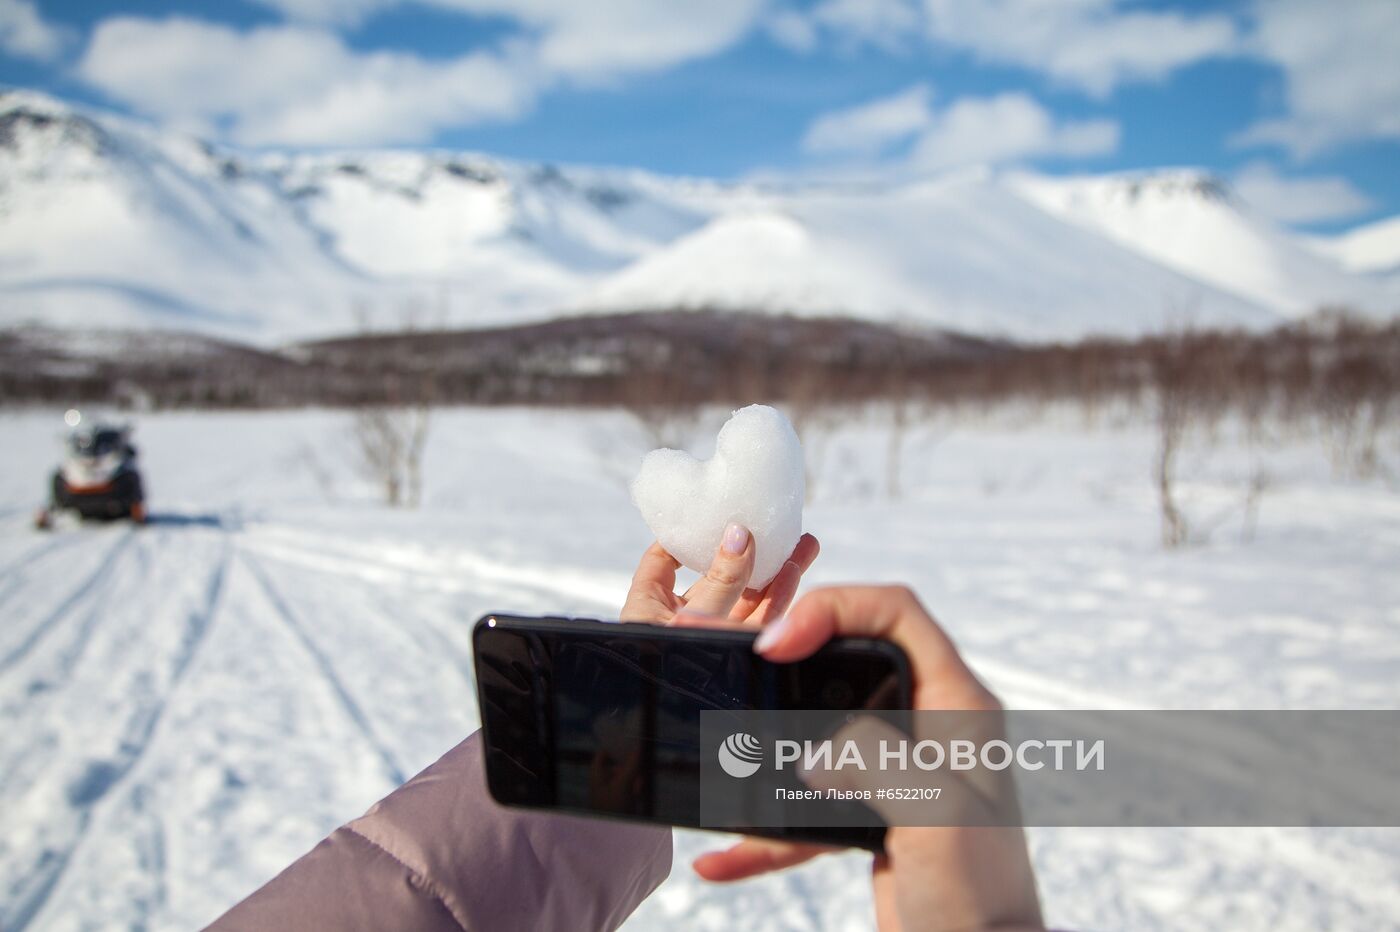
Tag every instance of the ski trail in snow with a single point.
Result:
(102, 777)
(15, 580)
(428, 638)
(348, 703)
(456, 570)
(12, 575)
(90, 587)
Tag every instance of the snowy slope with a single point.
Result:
(963, 253)
(106, 222)
(190, 706)
(103, 223)
(1189, 221)
(1374, 247)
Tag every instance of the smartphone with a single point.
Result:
(564, 699)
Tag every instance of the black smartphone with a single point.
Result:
(560, 695)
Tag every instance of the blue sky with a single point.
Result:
(1297, 102)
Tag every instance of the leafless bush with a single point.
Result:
(657, 399)
(391, 441)
(390, 435)
(1171, 375)
(390, 425)
(1258, 484)
(900, 390)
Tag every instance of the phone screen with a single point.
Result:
(603, 718)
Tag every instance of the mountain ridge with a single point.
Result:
(105, 221)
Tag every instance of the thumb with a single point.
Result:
(866, 733)
(903, 795)
(724, 582)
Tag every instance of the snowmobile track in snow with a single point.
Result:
(346, 699)
(102, 777)
(12, 576)
(90, 585)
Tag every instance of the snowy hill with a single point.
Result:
(965, 253)
(1191, 222)
(106, 225)
(1374, 247)
(105, 222)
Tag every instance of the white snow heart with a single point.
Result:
(756, 478)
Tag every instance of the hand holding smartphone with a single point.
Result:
(603, 718)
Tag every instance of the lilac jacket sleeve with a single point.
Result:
(439, 854)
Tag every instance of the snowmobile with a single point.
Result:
(98, 478)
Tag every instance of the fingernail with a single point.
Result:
(736, 538)
(770, 635)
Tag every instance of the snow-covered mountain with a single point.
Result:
(964, 252)
(1192, 223)
(1374, 247)
(106, 222)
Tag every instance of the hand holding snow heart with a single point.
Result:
(755, 479)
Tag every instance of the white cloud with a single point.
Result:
(25, 34)
(793, 30)
(603, 38)
(300, 84)
(594, 39)
(882, 23)
(1299, 200)
(885, 24)
(295, 84)
(336, 12)
(1341, 80)
(871, 127)
(1007, 128)
(1094, 45)
(1010, 127)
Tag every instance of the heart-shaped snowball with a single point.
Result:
(756, 478)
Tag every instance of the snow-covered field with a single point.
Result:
(186, 708)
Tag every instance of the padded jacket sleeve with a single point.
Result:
(439, 854)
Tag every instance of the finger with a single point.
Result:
(757, 607)
(806, 551)
(753, 856)
(870, 735)
(657, 567)
(652, 594)
(723, 583)
(686, 618)
(882, 885)
(751, 606)
(890, 613)
(780, 592)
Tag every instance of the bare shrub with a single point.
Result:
(1258, 484)
(390, 421)
(391, 439)
(656, 397)
(900, 391)
(1171, 378)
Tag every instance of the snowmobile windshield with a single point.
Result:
(97, 443)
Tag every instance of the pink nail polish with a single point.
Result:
(736, 538)
(771, 634)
